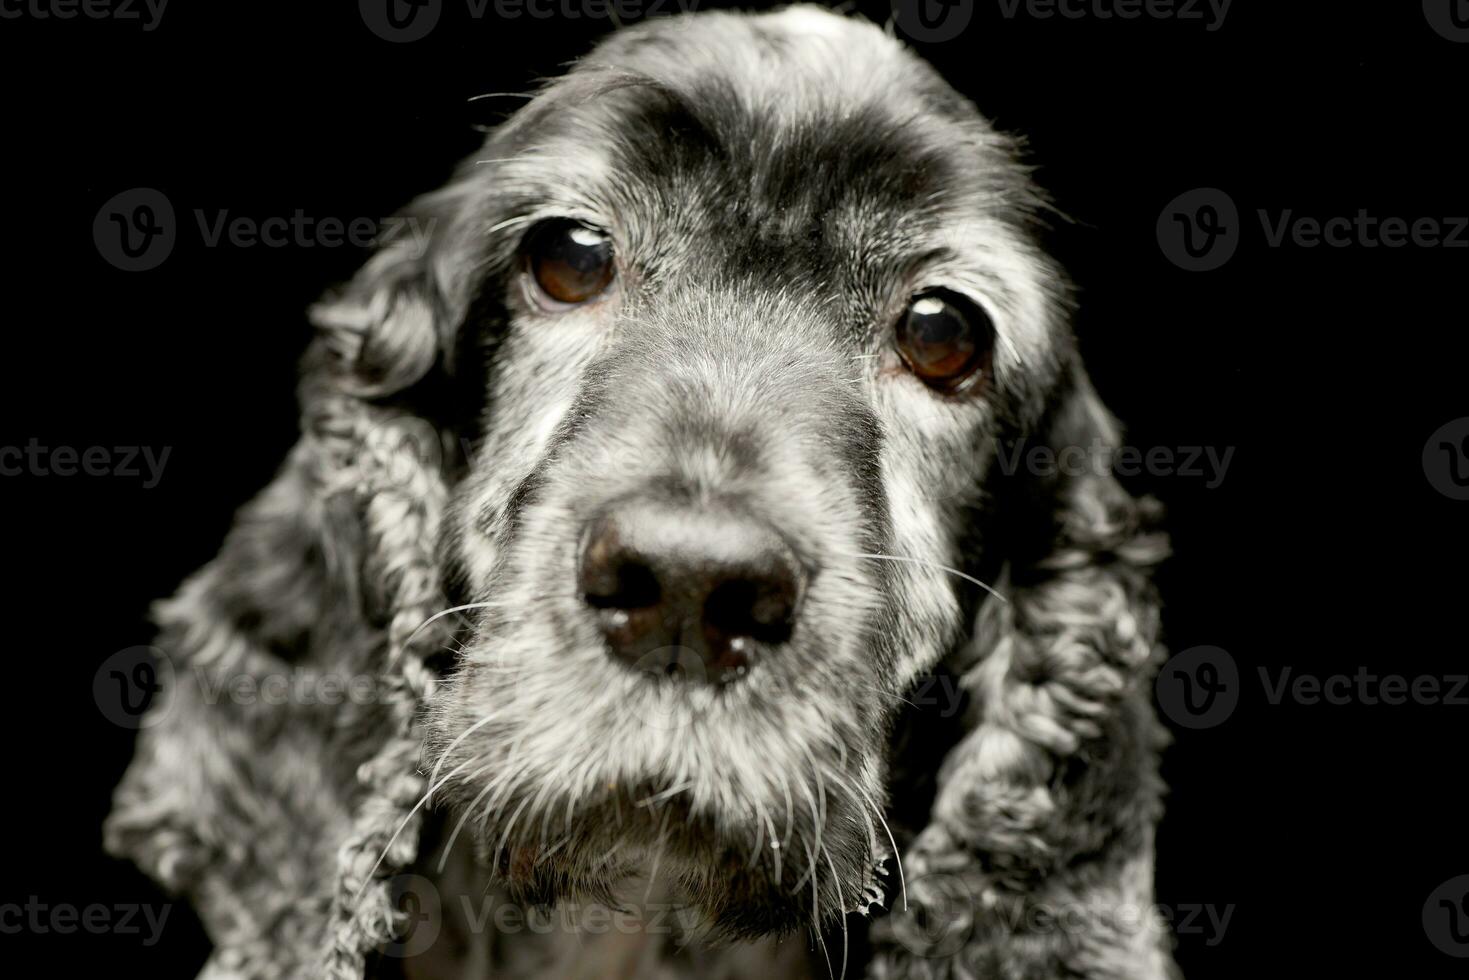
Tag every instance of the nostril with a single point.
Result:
(625, 584)
(760, 609)
(612, 576)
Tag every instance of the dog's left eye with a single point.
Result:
(570, 262)
(945, 339)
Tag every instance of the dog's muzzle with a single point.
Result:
(690, 591)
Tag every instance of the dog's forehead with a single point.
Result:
(802, 112)
(803, 81)
(791, 59)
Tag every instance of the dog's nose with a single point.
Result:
(688, 592)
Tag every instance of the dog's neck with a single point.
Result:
(648, 933)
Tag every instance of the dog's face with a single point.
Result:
(758, 302)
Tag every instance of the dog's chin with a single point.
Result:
(620, 850)
(579, 779)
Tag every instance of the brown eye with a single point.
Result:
(945, 339)
(569, 261)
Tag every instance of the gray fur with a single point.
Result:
(776, 186)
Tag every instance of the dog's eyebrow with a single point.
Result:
(588, 83)
(977, 269)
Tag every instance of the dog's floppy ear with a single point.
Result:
(1048, 804)
(381, 329)
(397, 320)
(279, 759)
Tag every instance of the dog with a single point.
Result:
(650, 495)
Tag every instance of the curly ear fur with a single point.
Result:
(270, 816)
(1039, 847)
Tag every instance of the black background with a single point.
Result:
(1325, 548)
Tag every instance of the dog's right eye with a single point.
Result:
(946, 340)
(569, 262)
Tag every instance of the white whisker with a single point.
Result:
(657, 857)
(404, 823)
(434, 779)
(841, 907)
(929, 564)
(440, 615)
(669, 792)
(501, 95)
(816, 912)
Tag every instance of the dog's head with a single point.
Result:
(733, 320)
